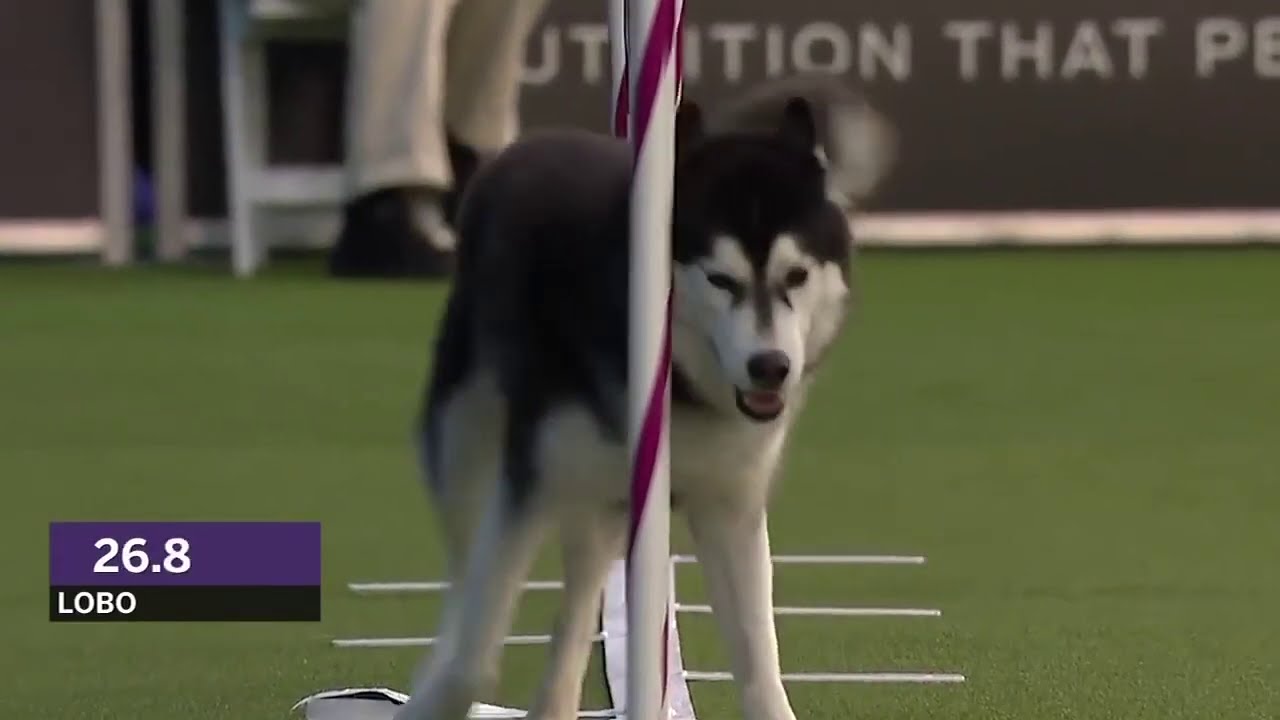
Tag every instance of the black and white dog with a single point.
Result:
(523, 429)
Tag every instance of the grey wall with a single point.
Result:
(48, 119)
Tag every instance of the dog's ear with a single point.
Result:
(690, 126)
(798, 125)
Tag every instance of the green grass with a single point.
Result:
(1086, 445)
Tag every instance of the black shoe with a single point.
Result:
(391, 234)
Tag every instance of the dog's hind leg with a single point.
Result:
(591, 541)
(459, 452)
(464, 665)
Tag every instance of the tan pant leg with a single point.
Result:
(487, 42)
(396, 94)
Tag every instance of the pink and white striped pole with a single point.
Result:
(619, 89)
(620, 93)
(646, 34)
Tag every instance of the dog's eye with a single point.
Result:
(796, 277)
(725, 282)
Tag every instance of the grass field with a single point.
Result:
(1085, 444)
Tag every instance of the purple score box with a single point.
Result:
(184, 553)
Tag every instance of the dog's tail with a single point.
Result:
(856, 142)
(862, 147)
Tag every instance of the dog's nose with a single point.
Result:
(768, 369)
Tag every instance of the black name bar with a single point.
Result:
(184, 603)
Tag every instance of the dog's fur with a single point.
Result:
(523, 429)
(856, 143)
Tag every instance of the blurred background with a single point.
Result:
(1002, 106)
(1062, 383)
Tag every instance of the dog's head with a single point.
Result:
(761, 255)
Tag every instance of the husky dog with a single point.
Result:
(524, 424)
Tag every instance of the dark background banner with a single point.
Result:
(48, 114)
(1002, 104)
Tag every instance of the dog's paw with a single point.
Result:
(443, 697)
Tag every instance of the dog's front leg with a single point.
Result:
(733, 550)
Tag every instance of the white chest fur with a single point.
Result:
(714, 456)
(710, 456)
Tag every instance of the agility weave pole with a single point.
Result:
(623, 47)
(650, 36)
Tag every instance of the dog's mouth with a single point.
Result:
(760, 405)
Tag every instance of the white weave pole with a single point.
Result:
(619, 88)
(650, 36)
(614, 603)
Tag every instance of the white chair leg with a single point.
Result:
(255, 113)
(244, 131)
(115, 155)
(169, 117)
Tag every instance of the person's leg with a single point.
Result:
(487, 45)
(397, 158)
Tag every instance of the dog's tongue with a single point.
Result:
(762, 401)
